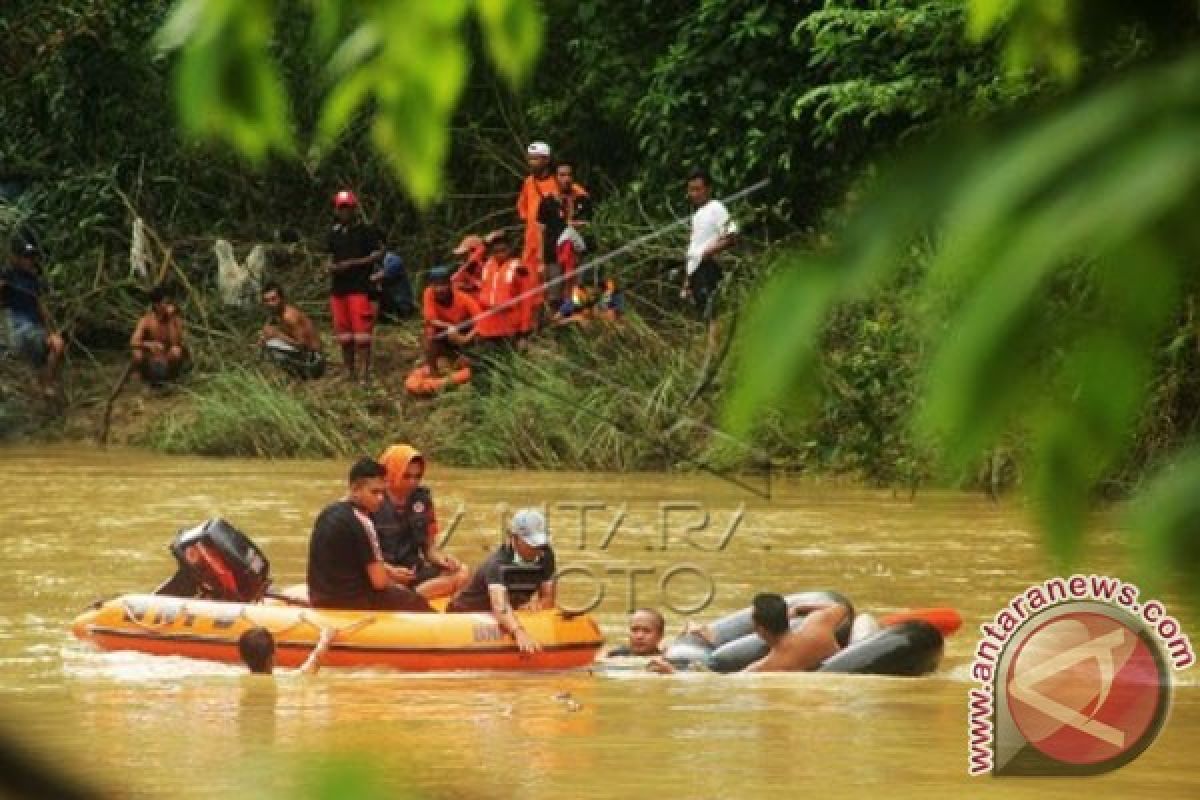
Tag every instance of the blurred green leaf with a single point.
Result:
(780, 341)
(1041, 33)
(408, 56)
(348, 778)
(980, 376)
(1165, 518)
(228, 87)
(357, 48)
(985, 16)
(1089, 193)
(327, 23)
(344, 100)
(514, 33)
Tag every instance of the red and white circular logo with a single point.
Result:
(1087, 688)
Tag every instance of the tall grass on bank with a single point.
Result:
(592, 398)
(241, 412)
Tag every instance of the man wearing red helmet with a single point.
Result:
(356, 250)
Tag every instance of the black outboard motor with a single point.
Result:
(217, 561)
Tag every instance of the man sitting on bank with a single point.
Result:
(408, 529)
(157, 341)
(346, 569)
(519, 575)
(449, 319)
(289, 338)
(790, 651)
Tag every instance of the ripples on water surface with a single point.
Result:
(78, 524)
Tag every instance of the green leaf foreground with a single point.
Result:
(403, 64)
(1097, 192)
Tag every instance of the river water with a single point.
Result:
(78, 523)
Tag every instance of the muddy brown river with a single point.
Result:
(78, 523)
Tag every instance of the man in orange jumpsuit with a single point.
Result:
(539, 183)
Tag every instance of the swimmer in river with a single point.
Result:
(646, 628)
(257, 649)
(790, 651)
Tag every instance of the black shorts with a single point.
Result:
(704, 283)
(304, 364)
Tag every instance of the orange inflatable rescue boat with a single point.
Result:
(218, 594)
(403, 640)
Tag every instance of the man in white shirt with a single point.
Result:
(713, 232)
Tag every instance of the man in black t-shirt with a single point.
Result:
(356, 250)
(22, 293)
(519, 575)
(345, 566)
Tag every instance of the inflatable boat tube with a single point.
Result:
(909, 649)
(741, 623)
(735, 645)
(421, 384)
(865, 625)
(946, 620)
(688, 649)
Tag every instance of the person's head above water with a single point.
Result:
(257, 649)
(646, 628)
(770, 614)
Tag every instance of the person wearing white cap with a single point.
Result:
(518, 576)
(538, 184)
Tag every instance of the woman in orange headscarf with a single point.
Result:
(408, 530)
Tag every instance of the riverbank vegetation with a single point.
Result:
(633, 93)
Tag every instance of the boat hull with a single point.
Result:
(399, 640)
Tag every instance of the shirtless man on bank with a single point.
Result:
(157, 341)
(790, 651)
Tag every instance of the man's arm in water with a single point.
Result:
(313, 663)
(507, 620)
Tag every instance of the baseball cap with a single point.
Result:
(344, 198)
(538, 149)
(530, 525)
(468, 243)
(439, 274)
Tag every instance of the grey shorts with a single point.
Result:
(30, 341)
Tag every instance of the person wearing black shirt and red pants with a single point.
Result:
(356, 249)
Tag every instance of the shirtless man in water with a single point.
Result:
(157, 341)
(791, 651)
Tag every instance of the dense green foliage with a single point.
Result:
(809, 94)
(1064, 262)
(802, 92)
